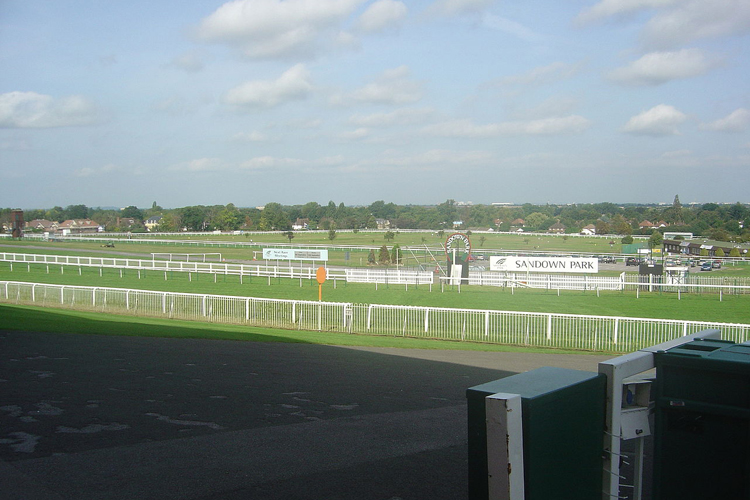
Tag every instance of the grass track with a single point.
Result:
(696, 307)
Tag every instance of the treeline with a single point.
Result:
(717, 221)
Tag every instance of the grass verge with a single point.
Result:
(62, 321)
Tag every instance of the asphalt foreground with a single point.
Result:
(105, 417)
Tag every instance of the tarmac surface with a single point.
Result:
(105, 417)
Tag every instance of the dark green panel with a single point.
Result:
(702, 422)
(563, 421)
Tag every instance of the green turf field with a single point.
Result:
(697, 307)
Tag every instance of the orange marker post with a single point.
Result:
(320, 275)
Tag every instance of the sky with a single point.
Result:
(185, 102)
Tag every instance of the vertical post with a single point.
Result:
(505, 472)
(549, 327)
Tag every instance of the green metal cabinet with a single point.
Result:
(702, 422)
(563, 431)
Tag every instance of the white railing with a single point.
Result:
(625, 281)
(388, 276)
(568, 331)
(546, 281)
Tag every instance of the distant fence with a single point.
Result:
(354, 275)
(401, 276)
(624, 282)
(594, 333)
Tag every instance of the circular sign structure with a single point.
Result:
(460, 243)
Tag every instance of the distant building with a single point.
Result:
(694, 248)
(42, 225)
(301, 224)
(557, 228)
(589, 230)
(78, 226)
(153, 222)
(383, 223)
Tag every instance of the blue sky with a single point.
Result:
(253, 101)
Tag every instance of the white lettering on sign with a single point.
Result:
(294, 254)
(544, 264)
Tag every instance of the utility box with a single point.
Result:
(702, 421)
(563, 431)
(636, 407)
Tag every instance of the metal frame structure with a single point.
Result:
(618, 371)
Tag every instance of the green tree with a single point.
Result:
(132, 212)
(331, 234)
(193, 218)
(627, 240)
(537, 220)
(655, 240)
(273, 218)
(289, 235)
(371, 257)
(720, 252)
(229, 218)
(170, 222)
(384, 257)
(734, 252)
(76, 212)
(389, 235)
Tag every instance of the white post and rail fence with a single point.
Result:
(565, 331)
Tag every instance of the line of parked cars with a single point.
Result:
(708, 265)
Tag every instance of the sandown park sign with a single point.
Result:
(544, 264)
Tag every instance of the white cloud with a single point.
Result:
(293, 84)
(91, 172)
(382, 15)
(191, 62)
(656, 68)
(355, 135)
(677, 22)
(540, 75)
(572, 124)
(276, 28)
(393, 87)
(173, 106)
(510, 27)
(613, 8)
(253, 136)
(200, 165)
(737, 121)
(403, 116)
(427, 161)
(660, 120)
(697, 19)
(270, 162)
(33, 110)
(449, 8)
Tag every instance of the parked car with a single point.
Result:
(706, 266)
(632, 261)
(716, 264)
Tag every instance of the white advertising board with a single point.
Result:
(544, 264)
(294, 254)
